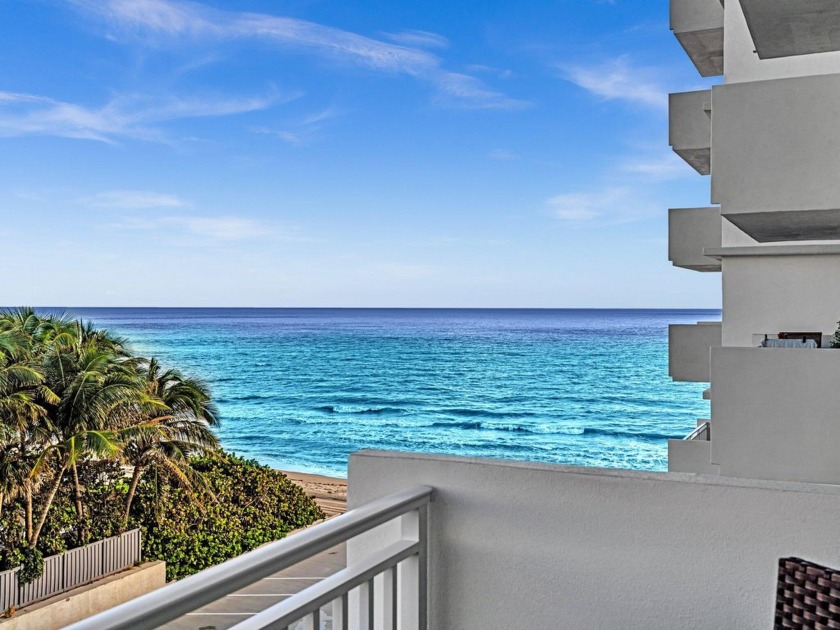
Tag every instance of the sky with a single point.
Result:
(332, 153)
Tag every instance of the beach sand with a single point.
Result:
(329, 492)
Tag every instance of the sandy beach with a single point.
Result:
(329, 492)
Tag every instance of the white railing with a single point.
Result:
(703, 433)
(70, 569)
(388, 585)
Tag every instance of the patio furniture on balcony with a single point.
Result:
(794, 340)
(807, 595)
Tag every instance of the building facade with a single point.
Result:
(768, 137)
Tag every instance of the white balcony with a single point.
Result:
(387, 585)
(784, 185)
(690, 128)
(693, 454)
(698, 26)
(520, 545)
(778, 288)
(775, 413)
(793, 27)
(688, 350)
(690, 231)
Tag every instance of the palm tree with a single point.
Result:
(97, 386)
(166, 438)
(21, 390)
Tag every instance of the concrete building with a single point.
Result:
(448, 543)
(768, 137)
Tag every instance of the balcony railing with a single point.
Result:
(703, 432)
(389, 584)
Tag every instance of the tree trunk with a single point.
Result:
(2, 501)
(135, 479)
(33, 541)
(28, 492)
(77, 495)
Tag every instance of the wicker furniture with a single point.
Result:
(807, 595)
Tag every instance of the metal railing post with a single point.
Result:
(423, 568)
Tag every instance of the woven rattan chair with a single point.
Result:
(807, 596)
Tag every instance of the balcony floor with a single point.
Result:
(237, 607)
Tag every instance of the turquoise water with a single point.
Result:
(301, 388)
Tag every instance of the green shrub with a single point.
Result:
(32, 566)
(245, 505)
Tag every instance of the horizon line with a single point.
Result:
(400, 308)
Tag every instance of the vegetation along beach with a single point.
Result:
(95, 440)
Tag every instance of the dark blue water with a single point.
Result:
(301, 388)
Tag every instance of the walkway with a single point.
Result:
(255, 598)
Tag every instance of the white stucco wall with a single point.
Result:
(695, 15)
(771, 294)
(518, 545)
(776, 413)
(690, 127)
(694, 456)
(688, 350)
(690, 230)
(86, 601)
(742, 64)
(775, 145)
(731, 236)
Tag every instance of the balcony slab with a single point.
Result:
(698, 26)
(690, 232)
(789, 28)
(690, 128)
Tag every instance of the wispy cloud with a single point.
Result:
(503, 154)
(134, 200)
(457, 88)
(214, 228)
(608, 205)
(171, 21)
(479, 68)
(665, 166)
(129, 116)
(619, 79)
(420, 39)
(303, 131)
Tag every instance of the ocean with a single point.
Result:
(300, 389)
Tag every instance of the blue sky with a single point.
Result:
(326, 153)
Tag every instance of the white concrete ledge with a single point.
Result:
(620, 473)
(688, 350)
(773, 250)
(792, 27)
(80, 603)
(690, 232)
(523, 545)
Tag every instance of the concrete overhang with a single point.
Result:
(688, 350)
(690, 232)
(796, 225)
(718, 253)
(786, 28)
(698, 26)
(776, 158)
(690, 128)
